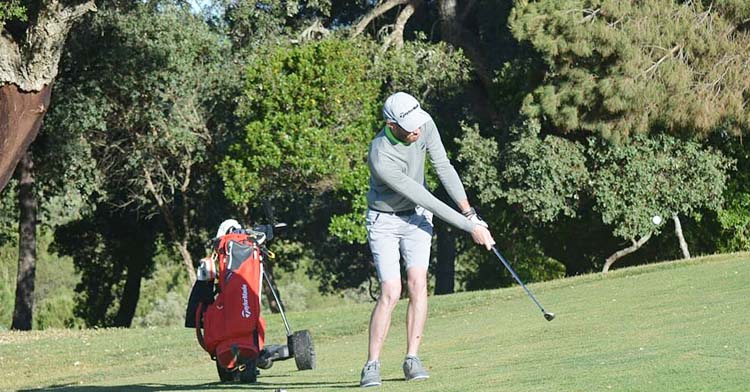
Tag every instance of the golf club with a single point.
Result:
(549, 316)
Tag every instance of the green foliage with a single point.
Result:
(734, 216)
(251, 25)
(12, 9)
(56, 312)
(735, 221)
(425, 69)
(144, 101)
(164, 294)
(629, 183)
(615, 67)
(477, 269)
(168, 310)
(479, 156)
(8, 271)
(655, 176)
(53, 294)
(310, 111)
(544, 175)
(736, 11)
(9, 213)
(145, 98)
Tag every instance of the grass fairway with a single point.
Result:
(680, 326)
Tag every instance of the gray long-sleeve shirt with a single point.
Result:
(397, 176)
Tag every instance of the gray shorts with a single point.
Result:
(392, 237)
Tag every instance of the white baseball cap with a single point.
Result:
(404, 110)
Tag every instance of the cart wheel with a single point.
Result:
(264, 362)
(304, 352)
(225, 375)
(248, 372)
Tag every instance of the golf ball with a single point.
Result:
(656, 219)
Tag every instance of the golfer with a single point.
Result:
(399, 223)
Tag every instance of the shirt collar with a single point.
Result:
(392, 138)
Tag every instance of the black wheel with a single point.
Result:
(248, 371)
(304, 352)
(264, 360)
(225, 375)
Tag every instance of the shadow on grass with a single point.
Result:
(153, 387)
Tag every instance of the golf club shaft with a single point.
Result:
(281, 307)
(505, 263)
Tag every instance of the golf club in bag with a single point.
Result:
(549, 316)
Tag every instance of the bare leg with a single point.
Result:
(416, 313)
(390, 291)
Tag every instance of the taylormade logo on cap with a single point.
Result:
(404, 110)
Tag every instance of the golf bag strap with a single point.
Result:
(198, 318)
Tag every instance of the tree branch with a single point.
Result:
(179, 241)
(314, 31)
(374, 13)
(396, 38)
(662, 59)
(34, 63)
(624, 252)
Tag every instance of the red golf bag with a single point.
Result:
(224, 308)
(232, 329)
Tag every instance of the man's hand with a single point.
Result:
(472, 215)
(482, 236)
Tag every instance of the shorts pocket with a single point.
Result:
(371, 218)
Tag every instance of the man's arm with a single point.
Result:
(445, 170)
(388, 172)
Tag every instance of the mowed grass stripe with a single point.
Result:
(679, 326)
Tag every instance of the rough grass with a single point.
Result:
(678, 326)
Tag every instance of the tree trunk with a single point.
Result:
(445, 270)
(130, 295)
(187, 260)
(449, 22)
(24, 306)
(179, 241)
(27, 70)
(453, 31)
(21, 115)
(624, 252)
(680, 237)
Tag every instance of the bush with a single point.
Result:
(167, 311)
(56, 312)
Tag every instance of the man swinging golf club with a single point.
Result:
(399, 223)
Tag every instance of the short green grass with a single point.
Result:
(678, 326)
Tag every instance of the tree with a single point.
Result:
(658, 176)
(152, 100)
(621, 67)
(549, 177)
(112, 249)
(29, 57)
(309, 112)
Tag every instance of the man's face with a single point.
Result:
(404, 135)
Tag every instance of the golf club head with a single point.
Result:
(549, 316)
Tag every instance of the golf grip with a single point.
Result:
(507, 266)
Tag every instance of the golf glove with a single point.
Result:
(472, 215)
